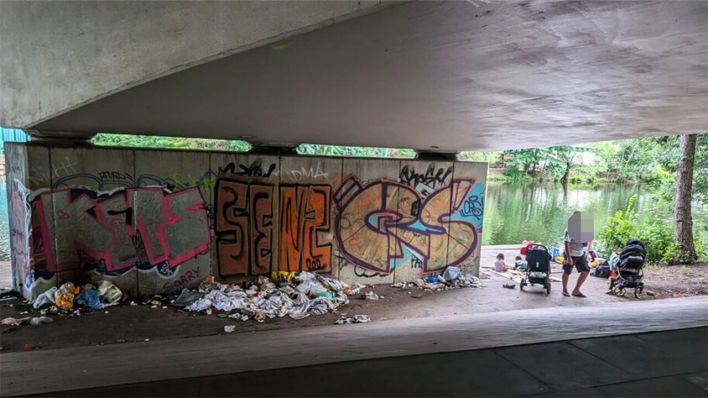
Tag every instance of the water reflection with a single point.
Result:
(540, 211)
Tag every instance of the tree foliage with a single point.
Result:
(144, 141)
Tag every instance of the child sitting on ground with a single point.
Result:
(520, 264)
(499, 265)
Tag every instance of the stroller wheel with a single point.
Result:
(637, 292)
(621, 291)
(548, 288)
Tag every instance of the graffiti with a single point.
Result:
(308, 173)
(20, 220)
(304, 211)
(116, 231)
(244, 227)
(65, 166)
(183, 281)
(384, 224)
(255, 169)
(427, 181)
(246, 232)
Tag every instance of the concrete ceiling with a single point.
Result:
(476, 75)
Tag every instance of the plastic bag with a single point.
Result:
(89, 298)
(45, 298)
(65, 295)
(111, 293)
(186, 298)
(451, 273)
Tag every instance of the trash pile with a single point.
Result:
(64, 301)
(452, 278)
(68, 296)
(297, 295)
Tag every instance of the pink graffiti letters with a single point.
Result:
(78, 226)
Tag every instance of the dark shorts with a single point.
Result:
(581, 264)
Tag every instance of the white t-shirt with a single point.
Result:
(577, 249)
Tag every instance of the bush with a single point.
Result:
(656, 234)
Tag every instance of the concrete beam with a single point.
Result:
(57, 56)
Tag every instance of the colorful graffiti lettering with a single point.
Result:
(304, 211)
(245, 229)
(385, 223)
(73, 227)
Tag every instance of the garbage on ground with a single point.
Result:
(306, 294)
(45, 298)
(509, 285)
(370, 296)
(111, 293)
(450, 279)
(10, 321)
(89, 297)
(65, 295)
(343, 320)
(229, 328)
(38, 320)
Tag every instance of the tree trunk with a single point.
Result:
(683, 223)
(564, 179)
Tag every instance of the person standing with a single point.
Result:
(576, 254)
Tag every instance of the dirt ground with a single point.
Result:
(126, 323)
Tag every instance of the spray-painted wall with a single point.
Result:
(153, 221)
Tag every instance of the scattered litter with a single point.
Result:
(186, 298)
(45, 298)
(147, 339)
(65, 295)
(451, 273)
(399, 285)
(352, 319)
(29, 346)
(229, 328)
(509, 285)
(10, 321)
(38, 320)
(89, 297)
(306, 294)
(650, 293)
(371, 296)
(111, 293)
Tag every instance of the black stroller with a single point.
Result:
(539, 268)
(629, 272)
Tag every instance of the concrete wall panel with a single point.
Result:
(423, 231)
(468, 208)
(364, 215)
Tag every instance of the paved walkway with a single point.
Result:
(96, 366)
(661, 364)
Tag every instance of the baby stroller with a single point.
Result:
(539, 267)
(629, 272)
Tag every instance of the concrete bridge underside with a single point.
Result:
(474, 75)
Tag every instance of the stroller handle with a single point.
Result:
(537, 246)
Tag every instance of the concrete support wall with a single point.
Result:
(154, 221)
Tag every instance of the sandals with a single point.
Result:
(566, 294)
(579, 295)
